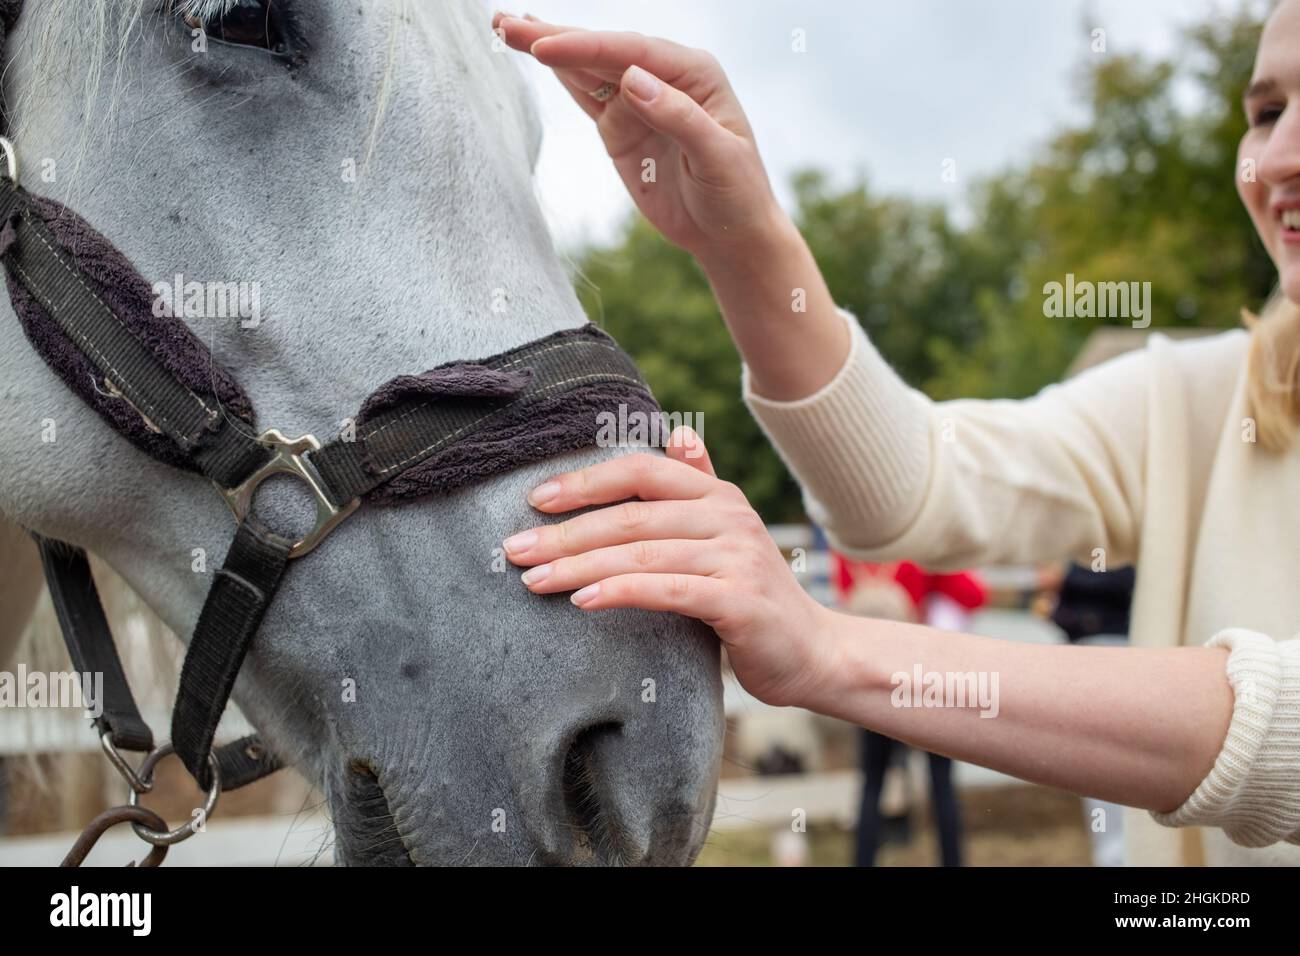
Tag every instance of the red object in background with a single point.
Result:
(963, 588)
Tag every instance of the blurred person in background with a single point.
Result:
(902, 591)
(1092, 610)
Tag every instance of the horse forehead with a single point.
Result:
(460, 32)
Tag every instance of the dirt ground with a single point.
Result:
(1006, 826)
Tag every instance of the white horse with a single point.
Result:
(373, 177)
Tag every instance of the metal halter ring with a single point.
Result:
(290, 458)
(11, 160)
(181, 833)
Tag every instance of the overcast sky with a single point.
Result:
(887, 88)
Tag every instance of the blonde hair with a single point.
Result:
(1273, 385)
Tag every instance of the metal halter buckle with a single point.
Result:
(11, 160)
(290, 458)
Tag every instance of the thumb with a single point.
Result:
(686, 446)
(670, 111)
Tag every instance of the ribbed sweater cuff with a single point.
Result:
(859, 447)
(1253, 792)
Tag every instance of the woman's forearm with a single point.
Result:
(780, 312)
(1138, 726)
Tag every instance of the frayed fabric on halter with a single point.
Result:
(113, 278)
(561, 423)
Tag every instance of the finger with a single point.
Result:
(583, 86)
(644, 476)
(692, 595)
(679, 556)
(615, 52)
(709, 146)
(522, 32)
(685, 445)
(621, 524)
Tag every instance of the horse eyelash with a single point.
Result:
(205, 11)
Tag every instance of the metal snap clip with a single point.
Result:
(187, 830)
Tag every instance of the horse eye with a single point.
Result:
(251, 23)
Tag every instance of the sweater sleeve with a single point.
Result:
(1253, 791)
(859, 447)
(892, 475)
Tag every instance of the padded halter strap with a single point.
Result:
(203, 431)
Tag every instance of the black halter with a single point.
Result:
(80, 304)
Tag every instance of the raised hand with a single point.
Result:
(673, 127)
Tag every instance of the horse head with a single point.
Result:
(362, 173)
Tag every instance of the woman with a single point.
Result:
(1180, 458)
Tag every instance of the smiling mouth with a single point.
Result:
(1291, 220)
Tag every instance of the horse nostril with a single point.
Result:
(595, 832)
(366, 823)
(362, 768)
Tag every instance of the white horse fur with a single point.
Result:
(489, 725)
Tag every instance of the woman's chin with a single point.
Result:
(1291, 284)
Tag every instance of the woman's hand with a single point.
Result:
(687, 155)
(674, 128)
(681, 541)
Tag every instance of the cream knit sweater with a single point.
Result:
(1146, 459)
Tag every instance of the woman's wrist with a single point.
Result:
(854, 681)
(779, 311)
(836, 669)
(773, 244)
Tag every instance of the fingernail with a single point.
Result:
(521, 542)
(641, 84)
(544, 493)
(585, 595)
(536, 575)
